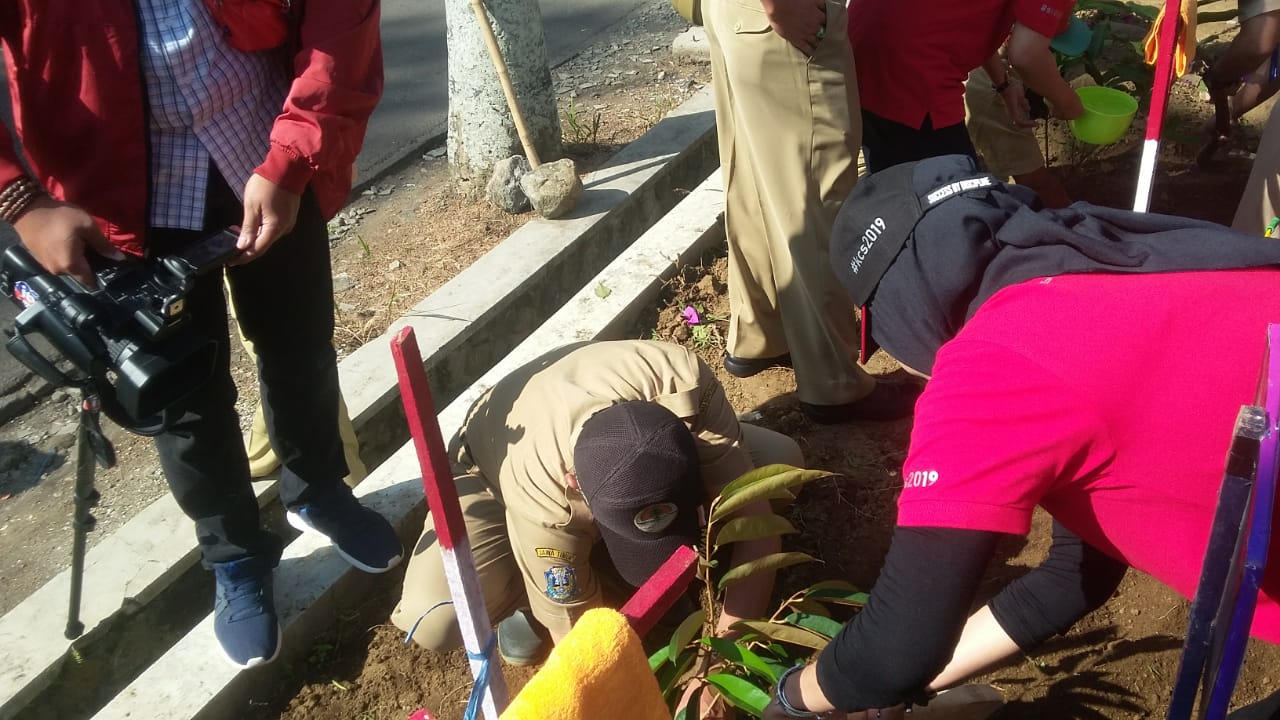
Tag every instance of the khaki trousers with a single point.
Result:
(1258, 204)
(789, 132)
(1007, 150)
(500, 580)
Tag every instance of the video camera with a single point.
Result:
(128, 337)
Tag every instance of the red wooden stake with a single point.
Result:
(446, 516)
(660, 591)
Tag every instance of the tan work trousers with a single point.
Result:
(500, 579)
(1261, 198)
(789, 133)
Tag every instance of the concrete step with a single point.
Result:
(464, 328)
(312, 583)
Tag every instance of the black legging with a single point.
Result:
(910, 626)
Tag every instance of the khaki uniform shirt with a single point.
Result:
(521, 434)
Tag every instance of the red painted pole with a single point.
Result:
(1167, 46)
(446, 516)
(419, 409)
(653, 599)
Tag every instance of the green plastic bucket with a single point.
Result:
(1107, 114)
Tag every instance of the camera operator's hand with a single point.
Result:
(269, 214)
(57, 233)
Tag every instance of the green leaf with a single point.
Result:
(742, 657)
(603, 291)
(685, 633)
(659, 657)
(830, 585)
(753, 476)
(669, 676)
(760, 484)
(824, 626)
(740, 693)
(784, 633)
(784, 656)
(1216, 16)
(764, 564)
(1145, 12)
(813, 607)
(836, 592)
(753, 527)
(779, 667)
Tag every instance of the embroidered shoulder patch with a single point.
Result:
(562, 583)
(554, 554)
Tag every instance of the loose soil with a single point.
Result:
(409, 234)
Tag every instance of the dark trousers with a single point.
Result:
(886, 143)
(284, 301)
(1266, 709)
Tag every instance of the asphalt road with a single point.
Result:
(415, 101)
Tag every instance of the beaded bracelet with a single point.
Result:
(17, 196)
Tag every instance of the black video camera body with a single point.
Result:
(127, 337)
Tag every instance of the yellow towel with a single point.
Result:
(599, 670)
(1185, 49)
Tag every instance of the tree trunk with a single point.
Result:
(481, 130)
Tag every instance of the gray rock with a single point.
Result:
(63, 441)
(503, 189)
(342, 282)
(692, 44)
(553, 188)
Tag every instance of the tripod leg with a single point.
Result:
(88, 437)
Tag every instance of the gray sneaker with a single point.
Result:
(521, 639)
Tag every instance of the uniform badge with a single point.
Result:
(555, 554)
(656, 517)
(562, 583)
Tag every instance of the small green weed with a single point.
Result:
(321, 653)
(581, 131)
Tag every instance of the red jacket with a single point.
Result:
(80, 108)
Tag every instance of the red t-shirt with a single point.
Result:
(1110, 401)
(913, 56)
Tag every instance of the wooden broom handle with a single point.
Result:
(491, 41)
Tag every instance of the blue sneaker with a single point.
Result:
(361, 536)
(244, 612)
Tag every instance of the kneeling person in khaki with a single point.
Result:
(619, 442)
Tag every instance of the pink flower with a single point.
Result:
(691, 316)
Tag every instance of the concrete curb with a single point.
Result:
(191, 681)
(494, 304)
(463, 328)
